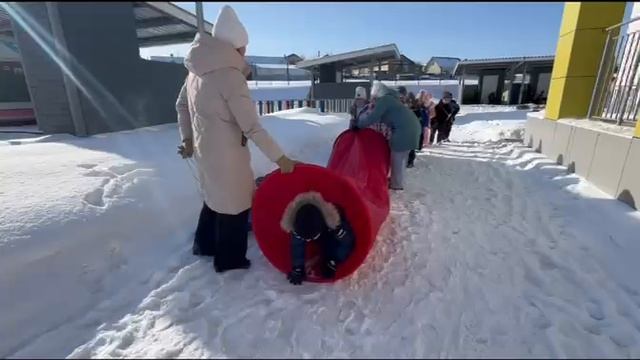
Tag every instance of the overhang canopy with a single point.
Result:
(157, 23)
(475, 66)
(354, 58)
(163, 23)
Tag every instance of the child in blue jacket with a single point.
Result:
(311, 218)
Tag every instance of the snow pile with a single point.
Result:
(484, 123)
(491, 251)
(293, 92)
(98, 218)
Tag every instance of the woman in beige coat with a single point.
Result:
(216, 115)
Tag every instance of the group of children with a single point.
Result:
(432, 118)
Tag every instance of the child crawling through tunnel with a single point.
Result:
(313, 221)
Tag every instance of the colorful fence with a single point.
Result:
(264, 107)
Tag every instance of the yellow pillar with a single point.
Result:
(637, 134)
(580, 47)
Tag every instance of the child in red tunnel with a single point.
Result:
(309, 218)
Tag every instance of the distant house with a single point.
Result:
(390, 69)
(440, 66)
(277, 68)
(294, 59)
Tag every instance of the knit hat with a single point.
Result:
(402, 90)
(229, 28)
(361, 93)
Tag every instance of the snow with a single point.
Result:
(600, 126)
(491, 251)
(281, 92)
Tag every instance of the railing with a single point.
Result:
(616, 95)
(264, 107)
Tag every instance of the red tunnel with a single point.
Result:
(355, 179)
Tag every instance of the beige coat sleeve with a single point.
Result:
(184, 117)
(236, 94)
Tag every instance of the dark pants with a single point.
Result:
(434, 129)
(443, 129)
(222, 236)
(412, 153)
(447, 129)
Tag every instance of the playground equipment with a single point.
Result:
(355, 179)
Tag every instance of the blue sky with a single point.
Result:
(421, 30)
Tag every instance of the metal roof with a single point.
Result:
(163, 23)
(157, 23)
(355, 57)
(502, 62)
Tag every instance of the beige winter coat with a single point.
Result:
(215, 109)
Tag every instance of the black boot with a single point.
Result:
(231, 244)
(204, 240)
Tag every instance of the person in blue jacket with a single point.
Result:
(405, 129)
(311, 218)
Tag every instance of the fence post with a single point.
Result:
(599, 77)
(322, 106)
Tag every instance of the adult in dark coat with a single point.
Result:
(446, 111)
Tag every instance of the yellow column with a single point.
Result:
(637, 134)
(580, 46)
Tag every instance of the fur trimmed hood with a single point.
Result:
(328, 210)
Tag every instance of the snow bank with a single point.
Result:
(293, 92)
(86, 219)
(485, 123)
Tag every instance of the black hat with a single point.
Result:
(309, 222)
(402, 90)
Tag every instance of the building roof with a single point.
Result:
(505, 62)
(163, 23)
(355, 57)
(157, 23)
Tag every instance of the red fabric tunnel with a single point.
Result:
(355, 180)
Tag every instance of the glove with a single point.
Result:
(329, 270)
(296, 276)
(186, 149)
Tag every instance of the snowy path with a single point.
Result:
(491, 251)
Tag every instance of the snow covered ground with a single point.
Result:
(492, 250)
